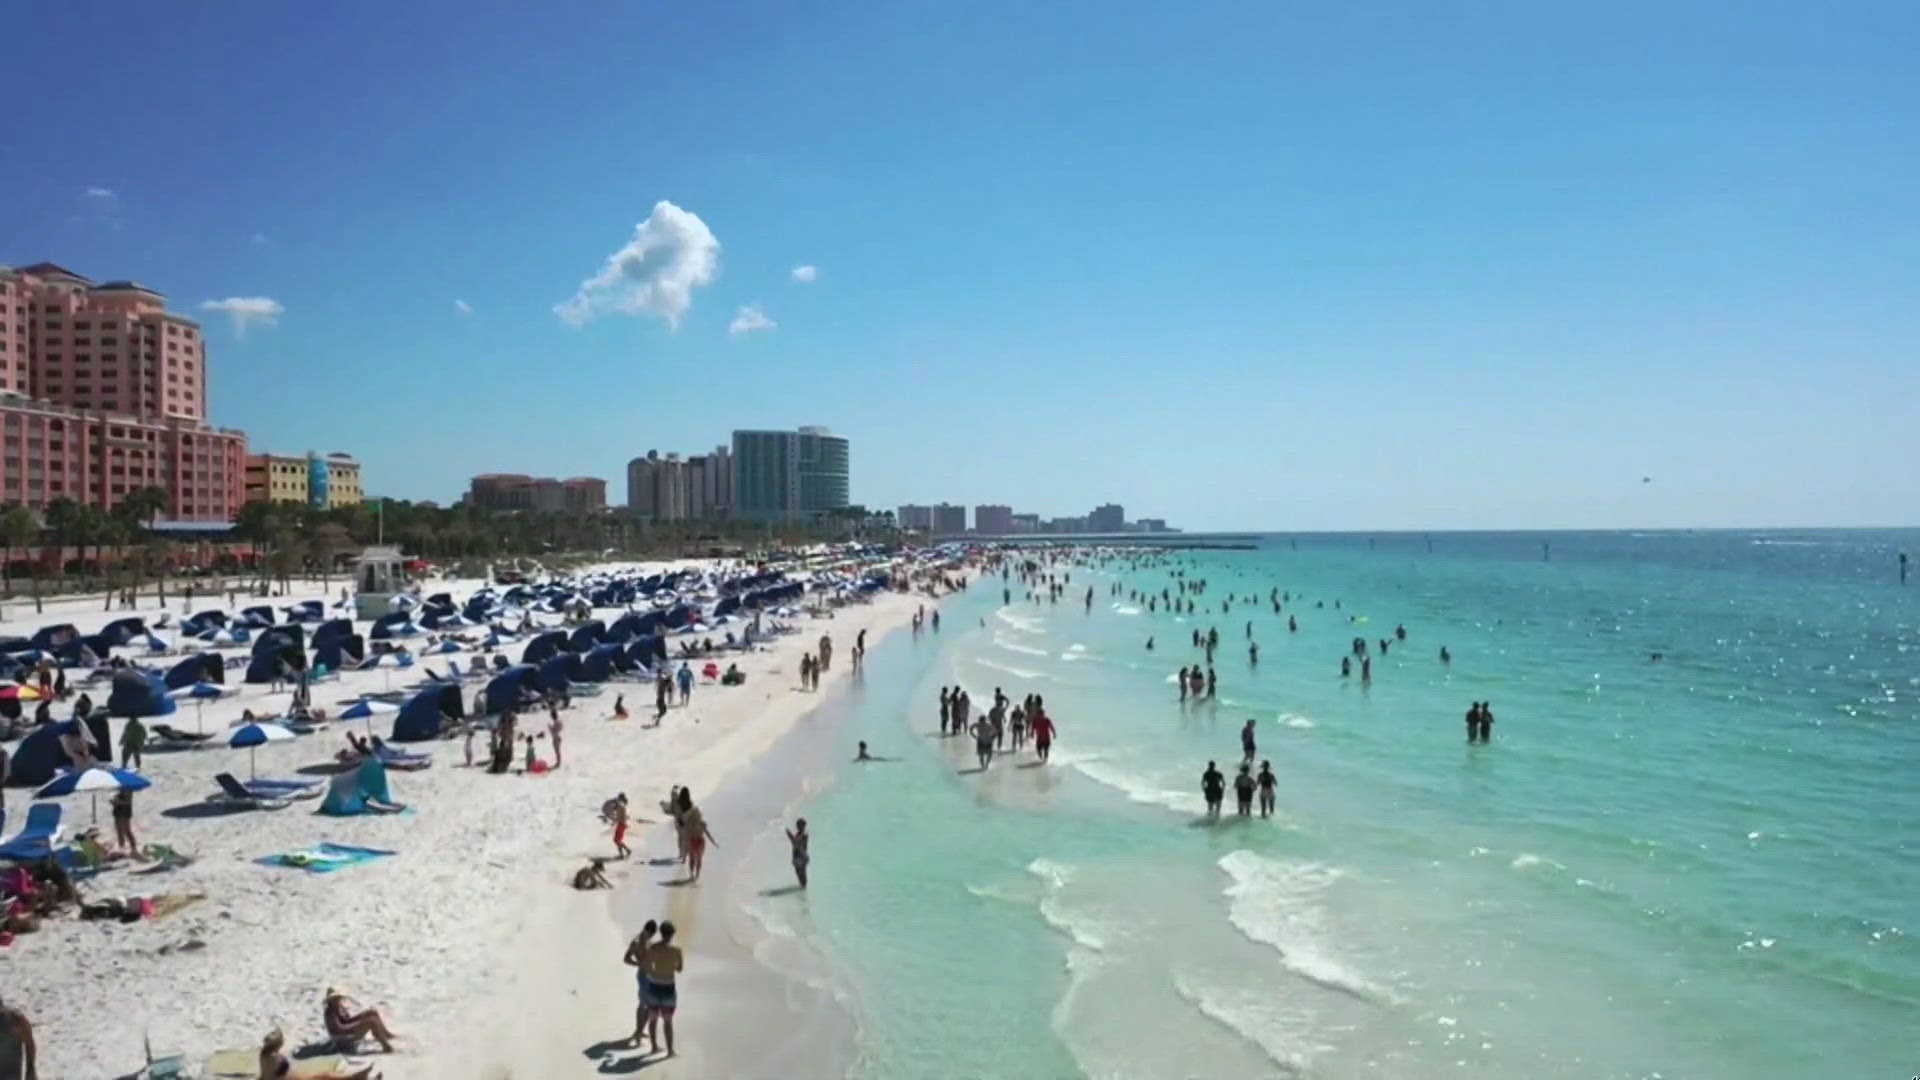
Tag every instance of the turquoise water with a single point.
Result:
(1701, 867)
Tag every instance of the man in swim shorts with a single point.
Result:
(983, 733)
(1213, 787)
(1042, 727)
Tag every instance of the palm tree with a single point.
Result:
(17, 529)
(259, 523)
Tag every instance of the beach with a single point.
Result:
(468, 923)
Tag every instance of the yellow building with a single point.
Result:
(324, 482)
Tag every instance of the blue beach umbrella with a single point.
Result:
(254, 735)
(366, 709)
(93, 780)
(200, 693)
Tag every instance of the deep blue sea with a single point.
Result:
(1701, 866)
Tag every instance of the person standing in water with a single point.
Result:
(1243, 791)
(1486, 721)
(1211, 683)
(1042, 726)
(693, 826)
(1183, 684)
(798, 838)
(983, 732)
(946, 709)
(1213, 788)
(1246, 743)
(1473, 722)
(1266, 782)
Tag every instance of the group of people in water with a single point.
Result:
(992, 728)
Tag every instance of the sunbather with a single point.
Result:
(274, 1064)
(345, 1024)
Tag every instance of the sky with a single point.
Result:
(1241, 266)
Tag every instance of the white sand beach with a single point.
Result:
(467, 938)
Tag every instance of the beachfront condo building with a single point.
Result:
(789, 475)
(665, 488)
(949, 520)
(323, 483)
(990, 520)
(1110, 518)
(542, 494)
(915, 518)
(103, 391)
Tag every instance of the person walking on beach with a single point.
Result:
(656, 964)
(1243, 791)
(1042, 726)
(693, 824)
(1266, 782)
(554, 727)
(662, 692)
(797, 838)
(616, 812)
(983, 741)
(1213, 788)
(685, 678)
(122, 804)
(133, 743)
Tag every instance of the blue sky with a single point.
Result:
(1358, 266)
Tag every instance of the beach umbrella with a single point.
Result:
(201, 693)
(366, 709)
(252, 736)
(93, 780)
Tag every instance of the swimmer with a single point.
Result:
(1445, 656)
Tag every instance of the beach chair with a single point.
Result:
(38, 837)
(269, 788)
(400, 759)
(234, 792)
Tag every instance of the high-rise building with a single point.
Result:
(789, 475)
(1110, 518)
(949, 520)
(103, 392)
(657, 487)
(1026, 523)
(992, 520)
(915, 518)
(320, 482)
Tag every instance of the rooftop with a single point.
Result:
(47, 269)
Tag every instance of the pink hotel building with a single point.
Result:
(103, 391)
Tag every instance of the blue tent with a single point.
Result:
(40, 757)
(419, 719)
(338, 653)
(201, 667)
(648, 650)
(508, 688)
(74, 652)
(625, 628)
(559, 671)
(282, 644)
(306, 611)
(543, 646)
(258, 617)
(434, 615)
(202, 621)
(599, 663)
(139, 693)
(348, 792)
(586, 635)
(332, 629)
(47, 637)
(121, 631)
(385, 626)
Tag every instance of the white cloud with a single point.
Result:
(671, 254)
(95, 191)
(246, 311)
(748, 319)
(463, 307)
(806, 275)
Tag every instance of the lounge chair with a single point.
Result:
(234, 792)
(270, 788)
(36, 839)
(400, 759)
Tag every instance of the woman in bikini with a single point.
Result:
(693, 827)
(343, 1023)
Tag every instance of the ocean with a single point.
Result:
(1697, 866)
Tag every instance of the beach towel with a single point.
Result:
(323, 858)
(244, 1064)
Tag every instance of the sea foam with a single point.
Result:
(1281, 904)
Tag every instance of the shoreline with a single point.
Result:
(569, 996)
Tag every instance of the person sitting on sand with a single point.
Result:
(274, 1064)
(593, 875)
(343, 1024)
(620, 707)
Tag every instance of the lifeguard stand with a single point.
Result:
(379, 575)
